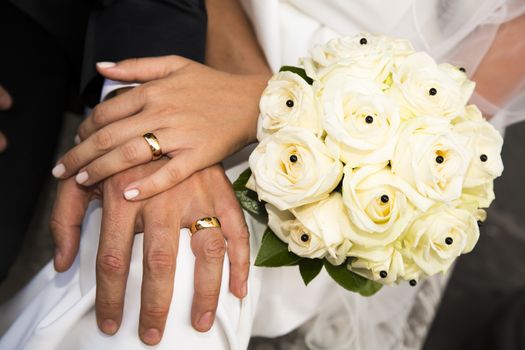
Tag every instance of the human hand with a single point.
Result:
(206, 193)
(199, 115)
(5, 103)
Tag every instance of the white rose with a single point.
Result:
(424, 88)
(471, 113)
(485, 143)
(360, 120)
(439, 236)
(432, 158)
(482, 194)
(379, 204)
(363, 48)
(292, 167)
(382, 264)
(287, 100)
(315, 230)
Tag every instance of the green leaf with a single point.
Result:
(248, 199)
(350, 280)
(310, 268)
(274, 252)
(298, 71)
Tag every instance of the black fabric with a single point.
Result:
(35, 70)
(40, 65)
(142, 28)
(506, 331)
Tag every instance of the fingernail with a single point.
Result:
(244, 290)
(57, 255)
(77, 139)
(106, 64)
(130, 194)
(109, 327)
(58, 170)
(82, 177)
(205, 321)
(151, 336)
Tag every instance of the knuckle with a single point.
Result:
(109, 304)
(129, 152)
(208, 295)
(173, 173)
(55, 226)
(97, 115)
(112, 262)
(160, 261)
(103, 140)
(214, 248)
(71, 160)
(155, 311)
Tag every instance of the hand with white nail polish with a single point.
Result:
(206, 193)
(199, 115)
(6, 102)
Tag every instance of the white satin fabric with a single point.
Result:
(56, 311)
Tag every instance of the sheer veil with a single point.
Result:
(473, 34)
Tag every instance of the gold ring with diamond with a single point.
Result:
(208, 222)
(154, 145)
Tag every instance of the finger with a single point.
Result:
(6, 101)
(209, 247)
(142, 69)
(161, 237)
(236, 233)
(180, 167)
(3, 142)
(113, 258)
(117, 108)
(68, 212)
(134, 152)
(98, 144)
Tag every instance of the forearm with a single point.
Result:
(231, 44)
(501, 74)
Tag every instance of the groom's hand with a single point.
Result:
(5, 103)
(206, 193)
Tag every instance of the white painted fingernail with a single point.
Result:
(77, 139)
(82, 177)
(106, 64)
(130, 194)
(58, 170)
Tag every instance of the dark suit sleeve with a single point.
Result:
(122, 29)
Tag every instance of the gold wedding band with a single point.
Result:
(209, 222)
(154, 145)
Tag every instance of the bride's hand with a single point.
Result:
(206, 193)
(199, 115)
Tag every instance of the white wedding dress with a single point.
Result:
(56, 311)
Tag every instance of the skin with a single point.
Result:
(5, 104)
(206, 192)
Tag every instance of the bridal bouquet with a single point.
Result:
(370, 164)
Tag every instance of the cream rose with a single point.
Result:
(315, 230)
(485, 143)
(382, 264)
(364, 55)
(482, 194)
(293, 167)
(380, 204)
(424, 88)
(360, 120)
(436, 238)
(432, 158)
(288, 100)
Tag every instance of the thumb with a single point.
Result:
(68, 212)
(5, 99)
(142, 70)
